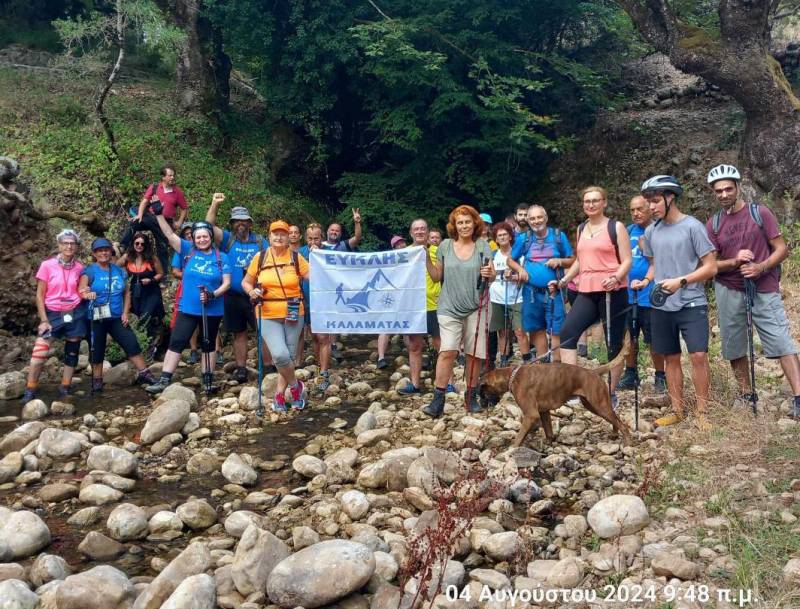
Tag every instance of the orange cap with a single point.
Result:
(279, 225)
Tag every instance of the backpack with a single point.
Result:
(612, 233)
(755, 214)
(556, 238)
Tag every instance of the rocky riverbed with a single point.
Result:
(361, 501)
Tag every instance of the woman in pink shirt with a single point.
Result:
(62, 313)
(601, 268)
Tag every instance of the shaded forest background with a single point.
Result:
(404, 108)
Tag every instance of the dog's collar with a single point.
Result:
(512, 376)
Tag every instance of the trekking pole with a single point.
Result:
(749, 300)
(506, 322)
(260, 409)
(206, 342)
(551, 324)
(635, 341)
(482, 297)
(608, 336)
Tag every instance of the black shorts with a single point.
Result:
(589, 308)
(433, 324)
(77, 327)
(643, 324)
(239, 313)
(691, 323)
(124, 336)
(185, 325)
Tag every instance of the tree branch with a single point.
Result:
(98, 107)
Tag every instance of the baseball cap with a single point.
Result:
(240, 213)
(279, 225)
(101, 242)
(395, 240)
(486, 218)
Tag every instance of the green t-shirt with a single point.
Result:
(459, 296)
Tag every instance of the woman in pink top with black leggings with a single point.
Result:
(601, 268)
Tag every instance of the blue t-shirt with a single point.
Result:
(240, 255)
(540, 251)
(639, 267)
(305, 252)
(201, 269)
(176, 262)
(341, 246)
(98, 281)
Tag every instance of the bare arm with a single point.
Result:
(211, 215)
(173, 239)
(122, 260)
(754, 270)
(226, 284)
(625, 254)
(706, 270)
(356, 238)
(436, 271)
(159, 270)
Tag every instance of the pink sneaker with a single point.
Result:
(298, 396)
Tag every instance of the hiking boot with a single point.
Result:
(29, 395)
(473, 405)
(382, 363)
(628, 380)
(583, 350)
(97, 385)
(64, 390)
(436, 408)
(145, 377)
(324, 381)
(194, 357)
(298, 396)
(451, 388)
(208, 383)
(279, 403)
(670, 419)
(408, 389)
(240, 375)
(660, 384)
(158, 386)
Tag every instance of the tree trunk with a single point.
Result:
(739, 62)
(203, 67)
(112, 77)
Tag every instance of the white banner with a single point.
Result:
(368, 293)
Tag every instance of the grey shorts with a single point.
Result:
(498, 317)
(769, 319)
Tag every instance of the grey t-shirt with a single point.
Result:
(676, 250)
(459, 296)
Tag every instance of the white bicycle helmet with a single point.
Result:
(662, 183)
(723, 172)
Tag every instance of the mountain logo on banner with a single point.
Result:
(359, 302)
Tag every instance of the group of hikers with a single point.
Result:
(488, 286)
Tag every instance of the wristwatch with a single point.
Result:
(683, 282)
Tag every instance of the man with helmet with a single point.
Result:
(242, 245)
(681, 259)
(751, 247)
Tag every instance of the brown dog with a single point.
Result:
(540, 388)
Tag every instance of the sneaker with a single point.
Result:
(451, 388)
(29, 395)
(436, 408)
(473, 405)
(298, 396)
(145, 377)
(157, 387)
(97, 385)
(627, 380)
(240, 375)
(583, 350)
(324, 381)
(409, 389)
(670, 419)
(194, 357)
(382, 363)
(660, 384)
(64, 390)
(279, 404)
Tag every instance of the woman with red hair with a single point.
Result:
(467, 259)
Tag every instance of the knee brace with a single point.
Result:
(71, 352)
(41, 349)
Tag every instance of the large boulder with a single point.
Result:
(112, 459)
(24, 532)
(177, 391)
(169, 417)
(237, 471)
(34, 410)
(12, 385)
(99, 547)
(127, 522)
(236, 524)
(99, 494)
(321, 574)
(197, 514)
(59, 444)
(122, 375)
(15, 594)
(103, 587)
(47, 568)
(618, 515)
(256, 556)
(21, 437)
(194, 560)
(195, 592)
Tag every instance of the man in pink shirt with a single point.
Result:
(62, 313)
